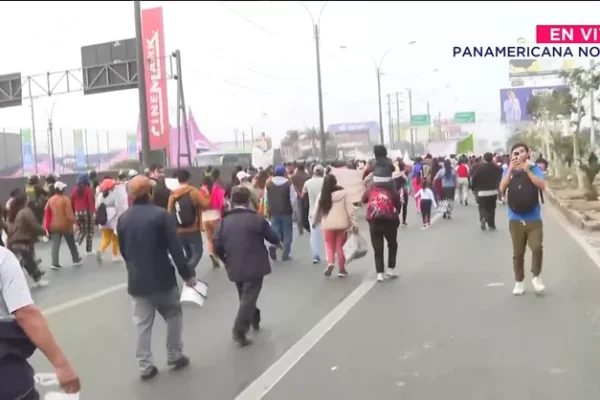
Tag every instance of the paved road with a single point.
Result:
(448, 328)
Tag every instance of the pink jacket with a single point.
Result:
(341, 216)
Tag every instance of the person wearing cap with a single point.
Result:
(239, 242)
(312, 188)
(84, 205)
(245, 180)
(186, 203)
(281, 200)
(298, 180)
(59, 222)
(147, 236)
(114, 209)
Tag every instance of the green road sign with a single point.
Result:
(466, 117)
(420, 120)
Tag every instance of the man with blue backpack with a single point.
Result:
(524, 183)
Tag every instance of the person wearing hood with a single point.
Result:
(84, 206)
(37, 197)
(335, 213)
(161, 191)
(108, 213)
(281, 198)
(485, 182)
(186, 204)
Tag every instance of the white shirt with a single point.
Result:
(14, 292)
(313, 187)
(426, 194)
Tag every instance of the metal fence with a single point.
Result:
(62, 150)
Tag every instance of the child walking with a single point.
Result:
(427, 197)
(417, 183)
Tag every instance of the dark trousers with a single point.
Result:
(388, 230)
(85, 226)
(487, 210)
(524, 233)
(404, 194)
(300, 217)
(426, 210)
(56, 238)
(192, 247)
(25, 253)
(248, 313)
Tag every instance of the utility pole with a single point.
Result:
(141, 73)
(440, 119)
(397, 131)
(252, 136)
(429, 127)
(51, 143)
(244, 140)
(34, 141)
(320, 90)
(390, 126)
(412, 135)
(236, 132)
(380, 111)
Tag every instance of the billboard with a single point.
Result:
(513, 102)
(110, 66)
(10, 90)
(153, 35)
(11, 149)
(527, 69)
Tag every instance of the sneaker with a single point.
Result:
(483, 224)
(41, 283)
(444, 215)
(316, 260)
(77, 262)
(404, 224)
(391, 273)
(538, 285)
(117, 259)
(342, 274)
(149, 373)
(181, 362)
(428, 224)
(424, 225)
(56, 267)
(242, 341)
(99, 257)
(273, 253)
(519, 288)
(328, 270)
(380, 277)
(214, 261)
(89, 253)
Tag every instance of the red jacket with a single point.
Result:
(85, 201)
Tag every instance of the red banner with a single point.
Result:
(153, 36)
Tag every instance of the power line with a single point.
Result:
(248, 20)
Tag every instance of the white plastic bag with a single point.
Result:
(355, 247)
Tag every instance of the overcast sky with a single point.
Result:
(252, 64)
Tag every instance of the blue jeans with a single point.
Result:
(284, 227)
(316, 238)
(192, 247)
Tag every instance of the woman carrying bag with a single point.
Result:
(335, 214)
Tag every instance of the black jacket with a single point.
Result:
(147, 234)
(486, 176)
(240, 242)
(161, 194)
(382, 167)
(16, 375)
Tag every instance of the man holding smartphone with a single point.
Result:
(524, 181)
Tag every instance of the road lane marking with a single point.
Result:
(83, 299)
(265, 382)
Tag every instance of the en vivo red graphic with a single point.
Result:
(567, 34)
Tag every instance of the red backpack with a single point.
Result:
(380, 205)
(462, 171)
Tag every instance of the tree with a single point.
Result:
(581, 82)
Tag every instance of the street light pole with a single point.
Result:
(380, 110)
(320, 95)
(317, 35)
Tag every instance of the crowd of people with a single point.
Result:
(157, 232)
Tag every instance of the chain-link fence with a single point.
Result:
(62, 150)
